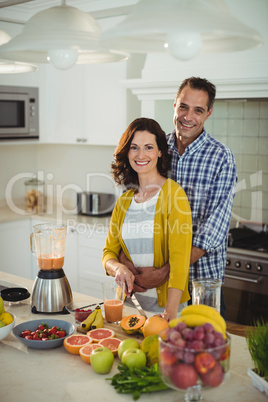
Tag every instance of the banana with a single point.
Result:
(194, 320)
(86, 324)
(202, 309)
(98, 321)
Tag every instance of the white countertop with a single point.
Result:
(55, 375)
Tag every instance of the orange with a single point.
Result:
(74, 343)
(154, 325)
(100, 333)
(111, 343)
(85, 351)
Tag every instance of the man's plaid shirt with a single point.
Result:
(207, 173)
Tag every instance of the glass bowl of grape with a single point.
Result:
(193, 359)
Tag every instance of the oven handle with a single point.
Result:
(239, 278)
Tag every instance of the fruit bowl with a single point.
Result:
(5, 331)
(32, 326)
(192, 360)
(80, 310)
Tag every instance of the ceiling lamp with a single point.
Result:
(7, 66)
(63, 36)
(183, 28)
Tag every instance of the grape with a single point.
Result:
(209, 338)
(174, 336)
(180, 327)
(208, 327)
(188, 334)
(188, 357)
(179, 354)
(197, 345)
(199, 333)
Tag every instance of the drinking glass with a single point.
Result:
(113, 297)
(208, 292)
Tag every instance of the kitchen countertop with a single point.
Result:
(55, 375)
(55, 213)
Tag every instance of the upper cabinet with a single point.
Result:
(83, 105)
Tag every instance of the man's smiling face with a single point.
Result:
(190, 113)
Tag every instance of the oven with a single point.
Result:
(246, 275)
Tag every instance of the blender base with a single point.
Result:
(51, 292)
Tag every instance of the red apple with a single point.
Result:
(183, 376)
(214, 377)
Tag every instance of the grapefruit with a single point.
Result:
(112, 344)
(85, 351)
(74, 343)
(154, 325)
(99, 334)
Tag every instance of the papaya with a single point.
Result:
(132, 323)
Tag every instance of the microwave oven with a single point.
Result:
(19, 112)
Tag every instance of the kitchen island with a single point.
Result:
(55, 375)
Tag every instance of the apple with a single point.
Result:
(183, 375)
(127, 344)
(214, 377)
(102, 360)
(134, 358)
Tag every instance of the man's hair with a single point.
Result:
(200, 84)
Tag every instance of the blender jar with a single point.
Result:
(35, 195)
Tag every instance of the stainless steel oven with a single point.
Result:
(246, 276)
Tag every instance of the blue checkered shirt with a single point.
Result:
(207, 173)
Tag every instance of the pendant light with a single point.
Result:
(9, 67)
(184, 28)
(61, 35)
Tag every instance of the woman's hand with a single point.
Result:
(123, 274)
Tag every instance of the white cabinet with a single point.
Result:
(83, 105)
(15, 248)
(91, 272)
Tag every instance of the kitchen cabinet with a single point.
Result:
(90, 270)
(15, 248)
(83, 105)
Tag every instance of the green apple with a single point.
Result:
(134, 358)
(102, 360)
(127, 344)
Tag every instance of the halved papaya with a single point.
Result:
(132, 323)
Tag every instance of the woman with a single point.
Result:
(151, 221)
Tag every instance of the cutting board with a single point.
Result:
(119, 332)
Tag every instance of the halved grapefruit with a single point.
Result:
(85, 351)
(75, 342)
(111, 343)
(100, 333)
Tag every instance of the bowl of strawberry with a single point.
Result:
(80, 310)
(43, 334)
(194, 359)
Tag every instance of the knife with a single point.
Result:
(137, 305)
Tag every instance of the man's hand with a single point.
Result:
(146, 277)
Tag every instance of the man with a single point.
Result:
(206, 170)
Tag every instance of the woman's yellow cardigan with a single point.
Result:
(172, 239)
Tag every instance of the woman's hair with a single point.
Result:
(122, 171)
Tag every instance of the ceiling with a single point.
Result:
(22, 10)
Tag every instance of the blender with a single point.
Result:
(51, 290)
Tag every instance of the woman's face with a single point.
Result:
(144, 152)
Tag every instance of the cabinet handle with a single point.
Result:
(78, 139)
(83, 140)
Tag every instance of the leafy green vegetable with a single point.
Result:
(137, 381)
(257, 340)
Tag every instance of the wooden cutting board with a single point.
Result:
(119, 332)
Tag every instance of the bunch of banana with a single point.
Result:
(199, 314)
(93, 321)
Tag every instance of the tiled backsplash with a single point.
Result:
(243, 126)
